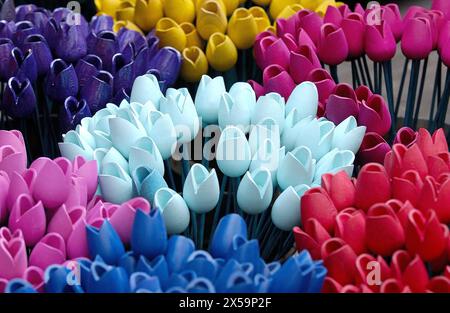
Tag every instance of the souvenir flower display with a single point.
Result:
(208, 33)
(56, 68)
(392, 219)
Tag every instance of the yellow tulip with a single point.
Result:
(242, 1)
(290, 10)
(271, 29)
(262, 2)
(211, 19)
(199, 3)
(230, 5)
(148, 13)
(276, 6)
(314, 4)
(194, 65)
(125, 12)
(170, 34)
(192, 36)
(180, 10)
(242, 28)
(321, 9)
(127, 24)
(108, 6)
(261, 18)
(221, 52)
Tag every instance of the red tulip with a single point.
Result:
(407, 187)
(409, 270)
(436, 195)
(340, 188)
(438, 164)
(394, 286)
(372, 186)
(406, 136)
(339, 259)
(432, 145)
(384, 232)
(439, 284)
(316, 203)
(401, 209)
(366, 264)
(363, 93)
(312, 238)
(331, 286)
(425, 235)
(352, 229)
(402, 159)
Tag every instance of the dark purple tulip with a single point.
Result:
(153, 46)
(76, 19)
(104, 45)
(123, 72)
(23, 10)
(60, 14)
(87, 67)
(141, 61)
(39, 18)
(168, 61)
(129, 52)
(72, 112)
(19, 99)
(41, 52)
(101, 22)
(7, 29)
(125, 36)
(62, 81)
(98, 90)
(72, 43)
(23, 30)
(8, 11)
(162, 83)
(26, 64)
(121, 95)
(50, 32)
(7, 66)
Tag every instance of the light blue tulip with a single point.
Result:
(255, 191)
(146, 88)
(124, 134)
(348, 136)
(305, 99)
(242, 92)
(268, 157)
(100, 121)
(115, 184)
(181, 109)
(104, 156)
(333, 162)
(148, 181)
(138, 108)
(286, 209)
(201, 189)
(74, 145)
(317, 136)
(233, 153)
(160, 128)
(296, 168)
(174, 210)
(265, 129)
(233, 113)
(83, 132)
(208, 96)
(102, 139)
(271, 105)
(145, 152)
(293, 125)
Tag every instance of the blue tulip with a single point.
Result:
(98, 90)
(148, 181)
(128, 262)
(222, 241)
(245, 250)
(60, 279)
(101, 22)
(41, 51)
(105, 242)
(200, 285)
(18, 285)
(123, 72)
(149, 237)
(105, 45)
(19, 100)
(320, 272)
(202, 263)
(179, 248)
(157, 267)
(141, 280)
(180, 280)
(261, 283)
(168, 61)
(62, 81)
(107, 279)
(85, 271)
(239, 282)
(229, 268)
(72, 113)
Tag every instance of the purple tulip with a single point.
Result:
(62, 81)
(23, 30)
(101, 22)
(73, 112)
(19, 100)
(23, 10)
(39, 18)
(87, 67)
(7, 29)
(50, 32)
(125, 36)
(153, 46)
(121, 95)
(7, 66)
(72, 43)
(168, 61)
(98, 90)
(123, 72)
(8, 11)
(141, 61)
(26, 64)
(60, 14)
(41, 52)
(104, 45)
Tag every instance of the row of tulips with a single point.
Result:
(225, 25)
(306, 41)
(50, 65)
(397, 212)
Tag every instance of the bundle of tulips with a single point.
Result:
(306, 42)
(395, 216)
(56, 62)
(228, 27)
